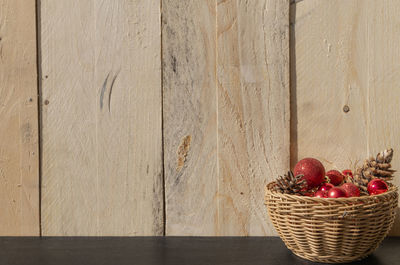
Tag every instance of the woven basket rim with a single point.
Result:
(392, 189)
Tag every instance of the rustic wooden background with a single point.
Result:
(149, 117)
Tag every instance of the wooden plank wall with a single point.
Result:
(169, 117)
(345, 53)
(101, 125)
(19, 156)
(190, 116)
(253, 110)
(226, 113)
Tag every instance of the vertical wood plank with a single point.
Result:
(383, 79)
(220, 154)
(346, 53)
(190, 125)
(253, 110)
(19, 162)
(328, 72)
(102, 153)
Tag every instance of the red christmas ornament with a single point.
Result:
(336, 192)
(325, 187)
(335, 177)
(377, 186)
(312, 170)
(351, 190)
(347, 172)
(320, 194)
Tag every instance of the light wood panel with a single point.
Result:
(190, 121)
(345, 53)
(101, 128)
(220, 154)
(383, 77)
(253, 110)
(19, 163)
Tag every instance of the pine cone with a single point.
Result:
(290, 184)
(378, 167)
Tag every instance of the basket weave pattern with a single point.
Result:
(331, 230)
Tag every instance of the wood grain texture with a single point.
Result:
(190, 121)
(101, 107)
(345, 53)
(224, 140)
(253, 110)
(19, 162)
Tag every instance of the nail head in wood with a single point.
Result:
(346, 108)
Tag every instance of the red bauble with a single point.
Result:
(320, 194)
(325, 187)
(351, 190)
(377, 186)
(336, 192)
(313, 171)
(347, 172)
(335, 177)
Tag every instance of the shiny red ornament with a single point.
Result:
(336, 192)
(351, 190)
(335, 177)
(320, 194)
(347, 172)
(325, 187)
(312, 170)
(377, 186)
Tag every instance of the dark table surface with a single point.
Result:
(165, 250)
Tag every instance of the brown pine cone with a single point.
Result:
(290, 184)
(378, 167)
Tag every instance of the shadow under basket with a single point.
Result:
(331, 230)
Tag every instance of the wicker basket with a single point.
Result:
(332, 230)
